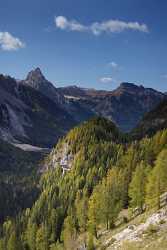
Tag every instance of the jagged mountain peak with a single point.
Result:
(31, 116)
(35, 79)
(38, 70)
(35, 75)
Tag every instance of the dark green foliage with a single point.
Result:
(93, 192)
(137, 186)
(152, 122)
(91, 243)
(18, 179)
(157, 181)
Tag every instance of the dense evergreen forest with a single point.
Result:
(18, 179)
(110, 171)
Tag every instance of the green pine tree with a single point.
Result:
(137, 186)
(157, 182)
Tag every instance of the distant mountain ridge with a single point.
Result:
(33, 111)
(125, 105)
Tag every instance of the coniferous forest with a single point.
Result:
(110, 171)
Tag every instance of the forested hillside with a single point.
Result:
(18, 179)
(108, 173)
(153, 121)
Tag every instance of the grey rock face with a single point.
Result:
(28, 116)
(36, 80)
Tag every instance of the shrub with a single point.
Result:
(152, 229)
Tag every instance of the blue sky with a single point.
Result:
(90, 43)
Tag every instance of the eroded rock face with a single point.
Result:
(60, 156)
(13, 115)
(4, 115)
(28, 116)
(35, 78)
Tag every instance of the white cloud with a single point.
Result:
(114, 65)
(9, 42)
(64, 24)
(106, 79)
(117, 26)
(96, 28)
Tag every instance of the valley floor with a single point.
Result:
(31, 148)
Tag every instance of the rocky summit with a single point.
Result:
(125, 105)
(36, 80)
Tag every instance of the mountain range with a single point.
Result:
(33, 111)
(29, 116)
(125, 106)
